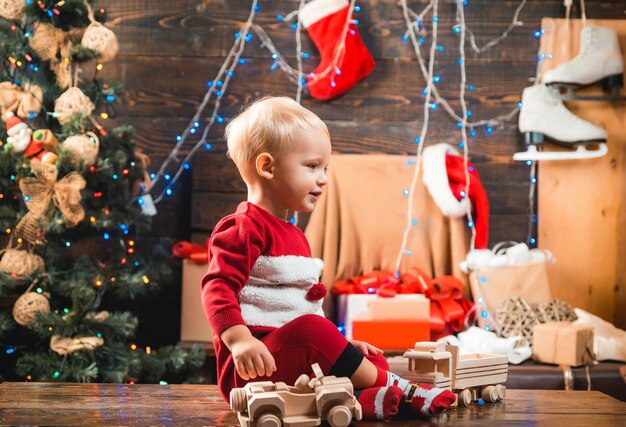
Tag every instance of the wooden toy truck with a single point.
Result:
(307, 403)
(469, 376)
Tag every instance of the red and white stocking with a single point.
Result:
(342, 65)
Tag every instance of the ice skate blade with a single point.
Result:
(566, 92)
(580, 153)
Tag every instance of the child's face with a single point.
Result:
(300, 171)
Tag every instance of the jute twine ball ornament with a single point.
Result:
(516, 317)
(44, 41)
(28, 306)
(556, 311)
(72, 101)
(82, 147)
(12, 9)
(101, 39)
(20, 263)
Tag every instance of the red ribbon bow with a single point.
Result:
(448, 308)
(192, 251)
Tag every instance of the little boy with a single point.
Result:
(261, 291)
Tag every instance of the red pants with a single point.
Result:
(296, 346)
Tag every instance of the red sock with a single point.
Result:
(380, 403)
(428, 400)
(422, 399)
(336, 73)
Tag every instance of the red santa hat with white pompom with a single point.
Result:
(444, 177)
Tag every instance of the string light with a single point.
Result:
(231, 62)
(414, 27)
(406, 13)
(227, 70)
(481, 307)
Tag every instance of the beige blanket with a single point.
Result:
(358, 223)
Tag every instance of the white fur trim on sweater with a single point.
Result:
(292, 269)
(435, 178)
(318, 9)
(276, 290)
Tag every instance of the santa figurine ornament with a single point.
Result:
(20, 137)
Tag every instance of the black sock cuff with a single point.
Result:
(348, 362)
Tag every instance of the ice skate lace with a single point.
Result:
(590, 40)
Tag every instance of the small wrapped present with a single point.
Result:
(563, 343)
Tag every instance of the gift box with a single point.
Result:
(391, 334)
(563, 343)
(356, 306)
(399, 308)
(194, 325)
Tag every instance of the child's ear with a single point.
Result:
(265, 165)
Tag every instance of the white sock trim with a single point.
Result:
(378, 403)
(318, 9)
(393, 379)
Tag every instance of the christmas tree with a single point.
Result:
(72, 207)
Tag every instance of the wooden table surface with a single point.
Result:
(197, 405)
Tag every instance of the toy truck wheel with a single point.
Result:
(465, 397)
(501, 391)
(238, 400)
(268, 420)
(339, 416)
(490, 394)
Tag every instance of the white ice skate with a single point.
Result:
(544, 117)
(599, 61)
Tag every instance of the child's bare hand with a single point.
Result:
(366, 348)
(252, 359)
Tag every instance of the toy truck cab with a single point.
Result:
(307, 403)
(469, 376)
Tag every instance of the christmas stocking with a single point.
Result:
(342, 64)
(417, 399)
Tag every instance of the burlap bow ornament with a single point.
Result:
(42, 193)
(22, 101)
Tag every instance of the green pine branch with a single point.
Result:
(100, 264)
(73, 13)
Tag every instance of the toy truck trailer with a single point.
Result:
(307, 403)
(469, 376)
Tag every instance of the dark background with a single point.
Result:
(169, 50)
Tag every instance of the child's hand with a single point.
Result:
(366, 348)
(252, 358)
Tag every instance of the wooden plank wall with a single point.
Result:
(170, 50)
(581, 204)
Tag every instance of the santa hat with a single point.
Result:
(12, 122)
(444, 177)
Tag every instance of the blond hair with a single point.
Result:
(267, 125)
